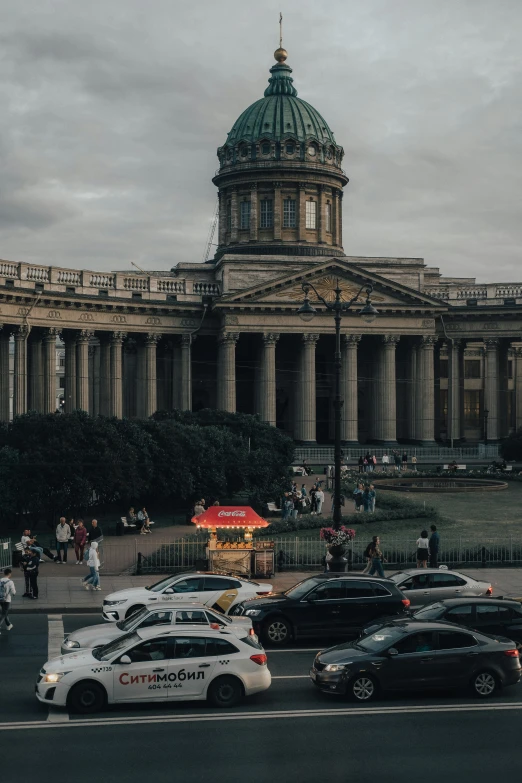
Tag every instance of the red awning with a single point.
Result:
(230, 516)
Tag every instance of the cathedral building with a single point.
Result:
(442, 361)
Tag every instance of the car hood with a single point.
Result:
(342, 653)
(266, 601)
(130, 592)
(70, 661)
(95, 635)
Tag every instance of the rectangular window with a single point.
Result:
(245, 214)
(267, 213)
(443, 368)
(510, 369)
(472, 368)
(328, 217)
(62, 382)
(311, 214)
(472, 409)
(289, 213)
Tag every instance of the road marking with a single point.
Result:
(273, 715)
(54, 650)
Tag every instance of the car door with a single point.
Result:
(144, 677)
(456, 657)
(188, 588)
(413, 666)
(445, 585)
(417, 589)
(464, 614)
(321, 610)
(221, 592)
(358, 606)
(191, 666)
(513, 626)
(492, 619)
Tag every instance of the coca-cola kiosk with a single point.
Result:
(237, 552)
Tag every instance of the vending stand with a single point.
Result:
(241, 555)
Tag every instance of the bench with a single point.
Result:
(273, 508)
(508, 468)
(451, 467)
(298, 470)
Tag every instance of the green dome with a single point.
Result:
(280, 114)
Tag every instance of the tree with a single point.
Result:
(511, 448)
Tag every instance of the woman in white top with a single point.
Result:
(423, 550)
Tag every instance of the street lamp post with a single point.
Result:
(338, 308)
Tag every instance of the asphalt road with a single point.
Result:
(289, 732)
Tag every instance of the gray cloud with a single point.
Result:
(114, 109)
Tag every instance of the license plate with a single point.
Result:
(313, 674)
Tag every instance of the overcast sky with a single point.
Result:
(113, 111)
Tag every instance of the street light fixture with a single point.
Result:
(368, 313)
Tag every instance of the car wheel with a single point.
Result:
(363, 688)
(225, 691)
(277, 631)
(86, 698)
(134, 609)
(484, 684)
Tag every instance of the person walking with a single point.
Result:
(92, 581)
(360, 463)
(377, 557)
(414, 462)
(385, 461)
(367, 500)
(373, 463)
(24, 561)
(63, 534)
(434, 547)
(404, 461)
(313, 500)
(319, 496)
(397, 461)
(80, 539)
(373, 496)
(7, 590)
(32, 567)
(288, 505)
(423, 550)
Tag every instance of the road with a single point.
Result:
(289, 732)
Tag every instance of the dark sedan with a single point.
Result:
(328, 605)
(495, 616)
(412, 655)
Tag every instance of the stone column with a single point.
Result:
(116, 385)
(306, 416)
(234, 207)
(254, 220)
(49, 365)
(387, 406)
(151, 389)
(4, 373)
(35, 374)
(141, 381)
(301, 217)
(350, 412)
(339, 217)
(517, 375)
(176, 375)
(21, 334)
(455, 348)
(426, 407)
(411, 392)
(82, 369)
(69, 339)
(186, 372)
(322, 214)
(267, 380)
(222, 228)
(94, 372)
(105, 375)
(491, 346)
(278, 218)
(227, 371)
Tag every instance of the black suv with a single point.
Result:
(324, 605)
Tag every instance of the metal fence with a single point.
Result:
(325, 454)
(6, 553)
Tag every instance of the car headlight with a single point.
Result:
(114, 603)
(55, 677)
(253, 612)
(336, 667)
(70, 644)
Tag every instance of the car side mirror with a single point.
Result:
(168, 591)
(392, 652)
(125, 659)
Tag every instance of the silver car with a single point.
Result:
(426, 585)
(189, 615)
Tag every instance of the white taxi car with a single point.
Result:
(217, 590)
(157, 665)
(185, 614)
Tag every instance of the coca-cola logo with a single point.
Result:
(231, 514)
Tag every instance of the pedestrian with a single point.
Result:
(80, 538)
(373, 465)
(63, 534)
(377, 557)
(7, 589)
(303, 491)
(397, 458)
(95, 532)
(434, 547)
(24, 561)
(414, 462)
(404, 461)
(288, 505)
(367, 500)
(92, 581)
(368, 556)
(319, 496)
(32, 567)
(360, 463)
(72, 525)
(385, 461)
(357, 497)
(132, 519)
(423, 550)
(296, 499)
(373, 496)
(313, 500)
(199, 508)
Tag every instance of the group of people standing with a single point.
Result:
(364, 498)
(300, 501)
(395, 460)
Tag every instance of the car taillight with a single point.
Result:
(251, 632)
(511, 653)
(406, 601)
(267, 592)
(489, 591)
(260, 658)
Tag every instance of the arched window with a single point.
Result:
(311, 214)
(266, 148)
(328, 217)
(289, 213)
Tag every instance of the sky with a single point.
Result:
(113, 111)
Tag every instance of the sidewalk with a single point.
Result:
(65, 595)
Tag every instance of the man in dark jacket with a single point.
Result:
(95, 531)
(32, 570)
(434, 547)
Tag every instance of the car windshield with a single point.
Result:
(109, 651)
(302, 588)
(399, 576)
(162, 584)
(430, 612)
(381, 639)
(126, 625)
(218, 617)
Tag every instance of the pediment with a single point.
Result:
(287, 291)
